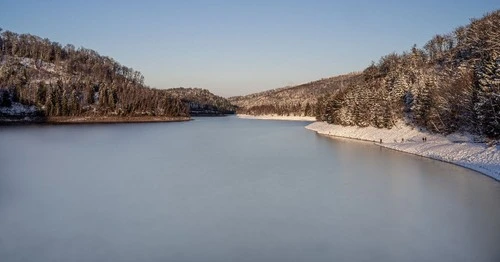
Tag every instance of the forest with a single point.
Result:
(294, 100)
(59, 80)
(202, 102)
(452, 84)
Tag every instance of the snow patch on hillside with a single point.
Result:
(18, 109)
(459, 149)
(277, 117)
(32, 63)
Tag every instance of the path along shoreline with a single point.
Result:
(458, 149)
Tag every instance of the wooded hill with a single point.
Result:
(451, 84)
(296, 100)
(39, 77)
(202, 101)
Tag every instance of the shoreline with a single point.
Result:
(277, 117)
(457, 149)
(67, 120)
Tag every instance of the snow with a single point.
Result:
(32, 63)
(458, 149)
(277, 117)
(27, 61)
(18, 109)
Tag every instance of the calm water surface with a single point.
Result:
(227, 189)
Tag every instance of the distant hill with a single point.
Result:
(202, 101)
(295, 100)
(41, 78)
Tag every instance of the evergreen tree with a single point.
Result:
(487, 106)
(74, 103)
(422, 105)
(64, 104)
(41, 94)
(90, 91)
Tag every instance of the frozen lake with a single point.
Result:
(228, 189)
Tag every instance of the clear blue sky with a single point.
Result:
(239, 47)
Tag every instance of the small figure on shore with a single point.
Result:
(381, 141)
(402, 140)
(423, 139)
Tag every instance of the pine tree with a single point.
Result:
(422, 105)
(103, 97)
(307, 109)
(90, 90)
(74, 103)
(51, 102)
(111, 95)
(487, 106)
(41, 94)
(320, 108)
(65, 104)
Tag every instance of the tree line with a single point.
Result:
(452, 84)
(66, 81)
(297, 100)
(284, 109)
(202, 101)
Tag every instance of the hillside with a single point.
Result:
(202, 101)
(452, 84)
(296, 100)
(42, 79)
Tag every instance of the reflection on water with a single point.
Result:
(226, 189)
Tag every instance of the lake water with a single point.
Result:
(228, 189)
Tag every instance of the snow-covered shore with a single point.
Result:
(277, 117)
(18, 109)
(456, 148)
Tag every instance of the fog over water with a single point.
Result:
(228, 189)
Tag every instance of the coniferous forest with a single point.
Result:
(451, 84)
(39, 77)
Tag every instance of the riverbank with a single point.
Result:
(94, 120)
(277, 117)
(459, 149)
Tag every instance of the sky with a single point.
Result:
(240, 47)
